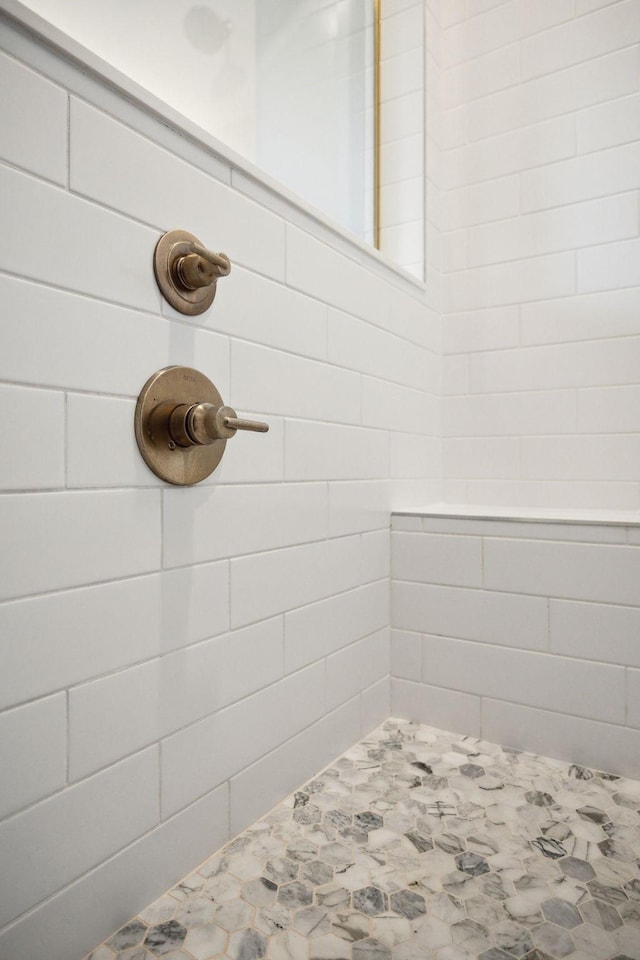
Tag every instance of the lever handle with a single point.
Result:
(235, 423)
(200, 424)
(201, 267)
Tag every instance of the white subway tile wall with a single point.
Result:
(541, 233)
(535, 634)
(175, 661)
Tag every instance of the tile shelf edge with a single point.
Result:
(622, 518)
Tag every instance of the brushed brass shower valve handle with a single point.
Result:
(182, 425)
(187, 273)
(200, 268)
(203, 423)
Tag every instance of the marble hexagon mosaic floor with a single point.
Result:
(416, 845)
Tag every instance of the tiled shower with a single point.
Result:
(175, 661)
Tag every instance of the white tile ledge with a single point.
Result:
(454, 511)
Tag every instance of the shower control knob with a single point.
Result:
(204, 423)
(182, 425)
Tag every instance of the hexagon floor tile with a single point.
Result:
(417, 844)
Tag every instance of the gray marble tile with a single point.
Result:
(417, 844)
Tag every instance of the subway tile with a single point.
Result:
(583, 317)
(609, 266)
(375, 704)
(402, 74)
(415, 456)
(292, 386)
(361, 346)
(402, 159)
(430, 558)
(34, 438)
(537, 278)
(582, 178)
(75, 244)
(213, 522)
(490, 30)
(104, 899)
(357, 667)
(268, 780)
(389, 405)
(539, 15)
(33, 752)
(62, 639)
(563, 495)
(322, 628)
(455, 374)
(115, 716)
(484, 202)
(243, 463)
(602, 746)
(406, 522)
(581, 458)
(588, 6)
(157, 698)
(513, 414)
(556, 94)
(406, 655)
(76, 343)
(402, 117)
(60, 835)
(73, 539)
(325, 451)
(351, 289)
(41, 144)
(566, 685)
(449, 709)
(609, 410)
(190, 767)
(265, 312)
(482, 76)
(599, 572)
(449, 128)
(452, 12)
(108, 456)
(588, 364)
(609, 124)
(135, 182)
(517, 151)
(401, 202)
(266, 584)
(633, 698)
(375, 554)
(567, 228)
(581, 39)
(595, 631)
(355, 507)
(402, 32)
(486, 616)
(405, 244)
(488, 457)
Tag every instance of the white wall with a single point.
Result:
(542, 253)
(177, 660)
(524, 633)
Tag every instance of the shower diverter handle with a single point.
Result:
(203, 423)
